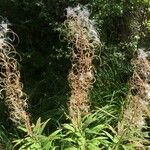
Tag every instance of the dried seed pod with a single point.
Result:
(84, 39)
(11, 87)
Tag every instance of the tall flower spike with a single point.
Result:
(139, 101)
(140, 86)
(11, 87)
(84, 39)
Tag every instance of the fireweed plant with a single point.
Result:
(84, 40)
(137, 111)
(11, 89)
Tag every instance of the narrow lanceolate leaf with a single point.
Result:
(71, 148)
(22, 128)
(109, 135)
(39, 127)
(98, 128)
(54, 135)
(69, 127)
(93, 147)
(68, 140)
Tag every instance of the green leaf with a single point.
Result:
(22, 128)
(39, 127)
(55, 133)
(69, 127)
(93, 147)
(68, 140)
(98, 128)
(71, 148)
(109, 135)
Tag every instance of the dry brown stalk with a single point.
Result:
(11, 87)
(140, 87)
(84, 39)
(139, 100)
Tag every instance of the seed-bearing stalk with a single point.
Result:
(84, 40)
(138, 106)
(11, 87)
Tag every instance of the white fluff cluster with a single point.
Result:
(3, 29)
(3, 32)
(81, 15)
(79, 11)
(4, 25)
(142, 54)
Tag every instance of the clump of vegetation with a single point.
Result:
(108, 100)
(140, 89)
(137, 109)
(84, 38)
(11, 87)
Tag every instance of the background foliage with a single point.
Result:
(123, 26)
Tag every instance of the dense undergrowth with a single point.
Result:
(85, 70)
